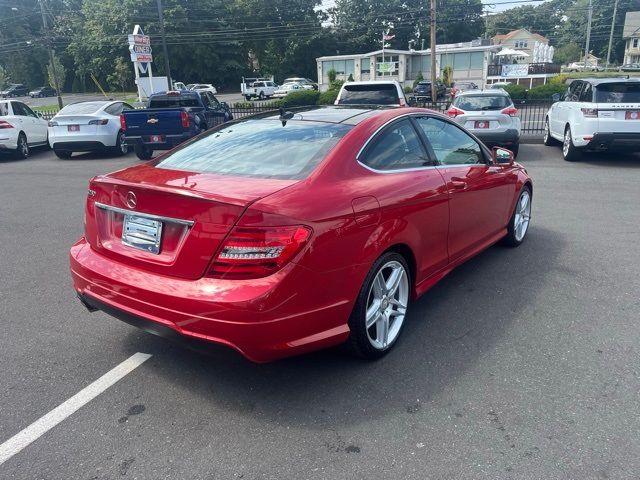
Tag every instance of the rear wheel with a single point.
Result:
(261, 96)
(22, 150)
(121, 147)
(63, 154)
(569, 151)
(143, 152)
(519, 223)
(547, 138)
(381, 307)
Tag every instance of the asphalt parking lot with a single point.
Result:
(523, 363)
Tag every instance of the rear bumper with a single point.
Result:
(81, 142)
(497, 139)
(86, 146)
(614, 141)
(8, 142)
(170, 141)
(264, 320)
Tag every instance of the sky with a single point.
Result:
(500, 5)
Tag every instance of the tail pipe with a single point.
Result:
(86, 304)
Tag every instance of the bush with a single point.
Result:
(447, 75)
(517, 92)
(328, 97)
(350, 79)
(544, 92)
(418, 79)
(408, 89)
(301, 98)
(331, 75)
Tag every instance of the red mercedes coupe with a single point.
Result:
(295, 231)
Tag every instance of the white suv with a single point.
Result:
(372, 92)
(596, 114)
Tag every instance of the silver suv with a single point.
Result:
(490, 115)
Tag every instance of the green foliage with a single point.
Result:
(570, 52)
(301, 98)
(544, 92)
(60, 73)
(409, 89)
(447, 75)
(328, 97)
(331, 75)
(121, 77)
(350, 79)
(76, 86)
(517, 92)
(418, 79)
(4, 77)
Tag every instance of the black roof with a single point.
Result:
(350, 115)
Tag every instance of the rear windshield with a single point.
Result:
(382, 94)
(4, 109)
(618, 93)
(259, 148)
(173, 101)
(82, 108)
(476, 103)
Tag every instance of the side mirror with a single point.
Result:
(555, 97)
(39, 114)
(502, 156)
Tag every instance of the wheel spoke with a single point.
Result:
(378, 286)
(524, 202)
(382, 330)
(394, 280)
(397, 313)
(373, 312)
(397, 303)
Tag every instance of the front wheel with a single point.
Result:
(261, 96)
(22, 150)
(570, 152)
(143, 152)
(381, 307)
(519, 223)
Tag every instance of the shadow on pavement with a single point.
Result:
(449, 329)
(612, 159)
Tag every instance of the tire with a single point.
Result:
(387, 307)
(569, 151)
(63, 154)
(143, 152)
(515, 149)
(248, 97)
(22, 149)
(547, 139)
(261, 96)
(520, 219)
(120, 149)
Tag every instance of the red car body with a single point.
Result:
(343, 216)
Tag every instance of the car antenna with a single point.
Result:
(284, 116)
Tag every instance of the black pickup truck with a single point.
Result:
(170, 119)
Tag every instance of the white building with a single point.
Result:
(469, 61)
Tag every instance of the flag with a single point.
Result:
(386, 37)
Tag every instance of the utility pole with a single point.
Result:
(586, 47)
(53, 66)
(432, 31)
(613, 25)
(164, 45)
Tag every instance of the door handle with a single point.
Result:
(457, 182)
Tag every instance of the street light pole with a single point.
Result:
(432, 31)
(164, 45)
(53, 66)
(613, 24)
(586, 47)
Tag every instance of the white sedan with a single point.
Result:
(204, 87)
(88, 126)
(286, 89)
(20, 128)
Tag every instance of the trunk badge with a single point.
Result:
(152, 120)
(131, 200)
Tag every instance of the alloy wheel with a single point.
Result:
(23, 147)
(387, 304)
(522, 216)
(566, 142)
(546, 131)
(123, 146)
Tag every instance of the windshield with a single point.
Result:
(82, 108)
(475, 103)
(173, 101)
(623, 92)
(259, 148)
(378, 94)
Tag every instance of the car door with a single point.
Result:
(33, 126)
(410, 191)
(567, 106)
(480, 192)
(216, 114)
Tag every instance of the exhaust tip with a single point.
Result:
(86, 304)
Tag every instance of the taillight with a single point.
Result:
(454, 112)
(589, 112)
(511, 111)
(4, 124)
(253, 252)
(103, 121)
(184, 116)
(123, 123)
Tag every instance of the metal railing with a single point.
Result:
(532, 69)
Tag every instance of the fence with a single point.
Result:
(532, 112)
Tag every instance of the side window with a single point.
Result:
(205, 100)
(28, 111)
(126, 106)
(115, 109)
(451, 145)
(574, 92)
(397, 147)
(587, 93)
(213, 100)
(19, 110)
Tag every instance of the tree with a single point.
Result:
(60, 73)
(571, 52)
(121, 76)
(418, 79)
(4, 77)
(447, 75)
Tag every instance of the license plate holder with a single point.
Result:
(481, 124)
(156, 138)
(73, 128)
(632, 115)
(142, 233)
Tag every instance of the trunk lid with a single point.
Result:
(189, 214)
(618, 117)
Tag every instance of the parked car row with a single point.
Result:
(265, 88)
(20, 90)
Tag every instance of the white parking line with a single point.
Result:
(45, 423)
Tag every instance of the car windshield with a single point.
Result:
(82, 108)
(259, 148)
(475, 103)
(173, 101)
(369, 94)
(623, 92)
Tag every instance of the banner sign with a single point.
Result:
(515, 70)
(386, 67)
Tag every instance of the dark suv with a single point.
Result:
(15, 90)
(422, 90)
